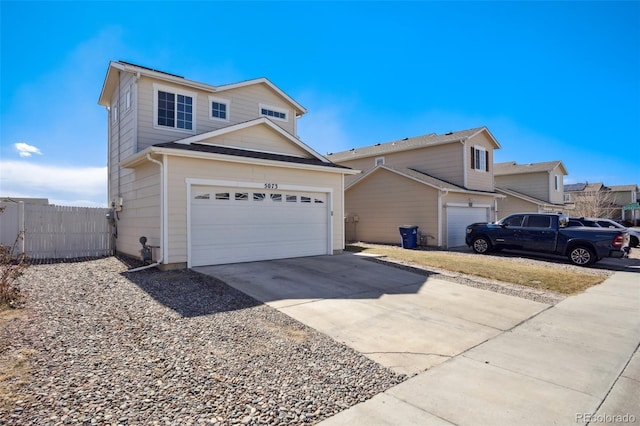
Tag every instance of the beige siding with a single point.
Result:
(556, 196)
(243, 107)
(534, 185)
(121, 134)
(384, 201)
(258, 138)
(181, 169)
(510, 205)
(140, 214)
(441, 161)
(479, 180)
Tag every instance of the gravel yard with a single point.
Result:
(105, 347)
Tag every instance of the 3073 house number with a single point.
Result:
(270, 186)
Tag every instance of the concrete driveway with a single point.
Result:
(402, 320)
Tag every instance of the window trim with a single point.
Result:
(176, 91)
(482, 159)
(376, 162)
(274, 109)
(226, 102)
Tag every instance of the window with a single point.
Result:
(276, 197)
(258, 196)
(515, 220)
(242, 196)
(479, 159)
(567, 198)
(539, 222)
(219, 108)
(304, 199)
(174, 109)
(127, 100)
(222, 196)
(273, 112)
(203, 197)
(292, 198)
(379, 161)
(556, 183)
(114, 113)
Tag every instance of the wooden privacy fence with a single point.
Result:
(56, 232)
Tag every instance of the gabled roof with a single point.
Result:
(589, 187)
(417, 176)
(513, 168)
(624, 188)
(527, 198)
(406, 144)
(255, 122)
(110, 83)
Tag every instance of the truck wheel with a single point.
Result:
(481, 245)
(581, 256)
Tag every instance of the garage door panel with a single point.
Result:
(230, 225)
(457, 220)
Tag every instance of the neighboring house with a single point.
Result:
(215, 174)
(533, 187)
(589, 200)
(625, 197)
(440, 183)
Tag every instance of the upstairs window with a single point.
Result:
(174, 109)
(219, 108)
(556, 183)
(479, 158)
(273, 112)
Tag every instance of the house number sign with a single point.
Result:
(270, 186)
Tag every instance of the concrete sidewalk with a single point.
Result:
(575, 363)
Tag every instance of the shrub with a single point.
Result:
(11, 267)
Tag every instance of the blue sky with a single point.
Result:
(551, 80)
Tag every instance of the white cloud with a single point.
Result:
(25, 150)
(86, 186)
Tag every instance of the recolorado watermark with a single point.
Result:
(605, 418)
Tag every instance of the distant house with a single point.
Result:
(215, 174)
(532, 187)
(440, 183)
(590, 200)
(625, 197)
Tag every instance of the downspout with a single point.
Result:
(162, 218)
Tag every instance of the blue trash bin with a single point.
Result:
(409, 236)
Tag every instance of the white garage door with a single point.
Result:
(231, 225)
(457, 220)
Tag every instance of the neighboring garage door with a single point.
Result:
(231, 225)
(457, 220)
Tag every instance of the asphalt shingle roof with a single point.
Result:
(403, 144)
(511, 167)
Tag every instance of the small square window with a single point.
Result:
(257, 196)
(203, 197)
(276, 197)
(292, 198)
(304, 199)
(242, 196)
(222, 196)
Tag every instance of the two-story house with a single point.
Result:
(440, 183)
(215, 174)
(532, 187)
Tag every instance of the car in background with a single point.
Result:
(581, 221)
(634, 234)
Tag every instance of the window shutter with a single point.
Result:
(473, 158)
(486, 162)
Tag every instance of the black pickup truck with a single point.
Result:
(548, 233)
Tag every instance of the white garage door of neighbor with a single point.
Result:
(457, 220)
(232, 225)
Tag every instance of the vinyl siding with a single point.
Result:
(535, 185)
(243, 107)
(383, 202)
(121, 134)
(258, 138)
(479, 180)
(183, 168)
(510, 205)
(140, 214)
(441, 161)
(556, 197)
